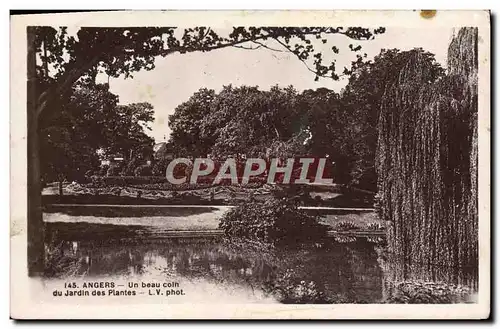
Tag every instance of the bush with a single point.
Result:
(89, 173)
(417, 292)
(346, 226)
(293, 191)
(143, 170)
(129, 169)
(275, 221)
(290, 287)
(161, 183)
(113, 171)
(59, 263)
(104, 170)
(131, 180)
(160, 167)
(376, 227)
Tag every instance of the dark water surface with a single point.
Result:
(328, 272)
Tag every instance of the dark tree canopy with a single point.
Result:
(186, 123)
(284, 122)
(118, 52)
(362, 100)
(280, 122)
(65, 59)
(86, 121)
(56, 60)
(237, 120)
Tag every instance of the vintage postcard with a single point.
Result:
(250, 165)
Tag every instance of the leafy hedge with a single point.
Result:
(289, 287)
(346, 226)
(143, 171)
(113, 171)
(417, 292)
(275, 221)
(161, 183)
(127, 180)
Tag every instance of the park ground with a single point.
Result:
(185, 217)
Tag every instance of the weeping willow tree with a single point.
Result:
(427, 162)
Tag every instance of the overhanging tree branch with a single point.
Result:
(287, 47)
(80, 66)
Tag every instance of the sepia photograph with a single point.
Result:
(176, 159)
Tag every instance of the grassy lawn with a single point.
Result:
(192, 219)
(110, 211)
(177, 218)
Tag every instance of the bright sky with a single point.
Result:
(177, 77)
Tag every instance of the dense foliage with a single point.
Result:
(162, 183)
(122, 51)
(427, 159)
(87, 121)
(418, 292)
(274, 222)
(283, 122)
(76, 115)
(57, 60)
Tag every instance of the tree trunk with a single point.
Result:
(60, 187)
(36, 249)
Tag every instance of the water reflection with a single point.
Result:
(329, 272)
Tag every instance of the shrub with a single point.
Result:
(89, 173)
(376, 239)
(160, 167)
(132, 180)
(345, 239)
(129, 169)
(143, 170)
(376, 227)
(113, 171)
(116, 191)
(161, 183)
(103, 171)
(417, 292)
(293, 191)
(346, 226)
(289, 287)
(274, 221)
(59, 263)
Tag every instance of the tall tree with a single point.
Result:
(362, 100)
(427, 161)
(330, 132)
(65, 59)
(246, 120)
(125, 133)
(186, 124)
(87, 121)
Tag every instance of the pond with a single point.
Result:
(210, 269)
(330, 273)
